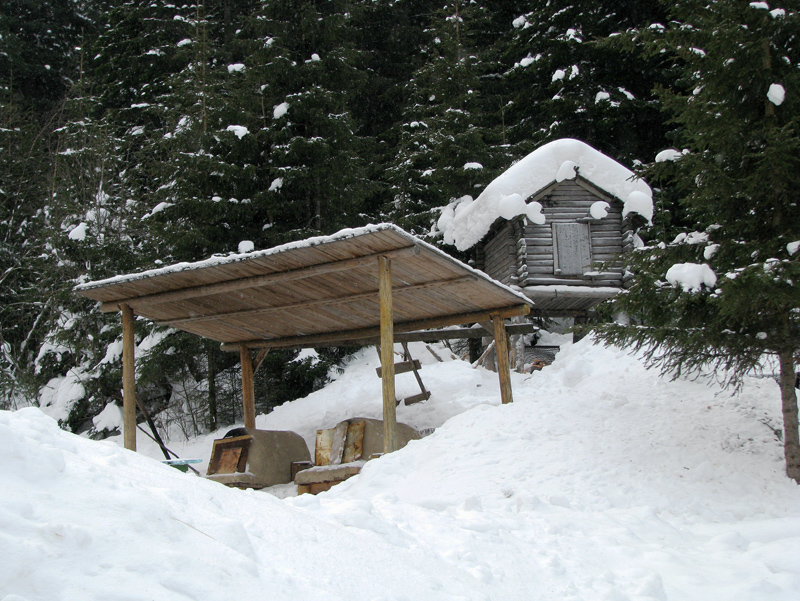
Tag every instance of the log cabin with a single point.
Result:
(555, 225)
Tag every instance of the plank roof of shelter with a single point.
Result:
(311, 292)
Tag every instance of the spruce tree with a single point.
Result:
(725, 296)
(567, 76)
(445, 145)
(38, 59)
(307, 72)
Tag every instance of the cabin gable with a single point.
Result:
(572, 248)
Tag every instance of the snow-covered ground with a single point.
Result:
(601, 481)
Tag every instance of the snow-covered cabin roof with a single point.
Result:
(466, 221)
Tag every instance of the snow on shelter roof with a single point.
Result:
(312, 292)
(466, 223)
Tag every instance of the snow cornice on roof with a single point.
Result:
(465, 222)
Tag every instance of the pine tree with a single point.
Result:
(725, 296)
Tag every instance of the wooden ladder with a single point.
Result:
(402, 367)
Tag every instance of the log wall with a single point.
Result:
(525, 254)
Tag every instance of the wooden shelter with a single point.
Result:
(361, 285)
(570, 263)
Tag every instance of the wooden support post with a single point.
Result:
(248, 388)
(387, 355)
(128, 380)
(501, 350)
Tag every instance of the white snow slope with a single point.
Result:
(601, 481)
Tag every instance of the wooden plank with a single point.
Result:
(541, 269)
(606, 242)
(229, 460)
(318, 302)
(415, 367)
(452, 334)
(354, 443)
(586, 284)
(254, 281)
(387, 355)
(248, 388)
(218, 453)
(337, 444)
(416, 398)
(503, 365)
(322, 446)
(128, 380)
(402, 367)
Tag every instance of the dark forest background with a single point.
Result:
(145, 132)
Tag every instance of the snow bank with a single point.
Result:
(90, 521)
(555, 161)
(601, 481)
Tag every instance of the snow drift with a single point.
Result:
(601, 481)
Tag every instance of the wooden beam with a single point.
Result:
(128, 380)
(262, 354)
(333, 338)
(316, 302)
(463, 333)
(387, 355)
(248, 388)
(255, 281)
(501, 351)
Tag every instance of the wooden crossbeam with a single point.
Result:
(255, 281)
(333, 338)
(416, 398)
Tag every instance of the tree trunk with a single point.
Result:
(791, 436)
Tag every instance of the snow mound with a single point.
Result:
(556, 161)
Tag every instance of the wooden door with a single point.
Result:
(572, 252)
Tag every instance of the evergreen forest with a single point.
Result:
(139, 133)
